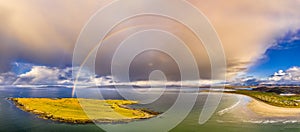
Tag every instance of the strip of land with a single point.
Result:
(270, 104)
(267, 110)
(73, 110)
(272, 98)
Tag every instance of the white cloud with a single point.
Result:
(39, 75)
(279, 73)
(291, 75)
(43, 75)
(105, 80)
(7, 78)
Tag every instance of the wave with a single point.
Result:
(271, 121)
(224, 111)
(262, 121)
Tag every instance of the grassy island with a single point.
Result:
(70, 110)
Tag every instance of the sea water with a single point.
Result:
(232, 114)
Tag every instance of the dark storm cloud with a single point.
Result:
(44, 32)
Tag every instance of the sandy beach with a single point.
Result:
(267, 110)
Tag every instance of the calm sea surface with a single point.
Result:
(231, 116)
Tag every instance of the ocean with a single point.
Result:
(232, 114)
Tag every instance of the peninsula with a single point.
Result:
(272, 98)
(70, 110)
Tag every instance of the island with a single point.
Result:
(70, 110)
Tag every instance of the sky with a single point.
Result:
(260, 40)
(285, 54)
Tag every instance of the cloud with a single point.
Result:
(41, 31)
(44, 32)
(289, 41)
(289, 76)
(44, 75)
(7, 78)
(47, 76)
(1, 80)
(246, 81)
(191, 83)
(39, 75)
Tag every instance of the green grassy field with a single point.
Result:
(71, 109)
(272, 98)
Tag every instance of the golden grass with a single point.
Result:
(75, 110)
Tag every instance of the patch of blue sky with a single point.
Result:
(283, 55)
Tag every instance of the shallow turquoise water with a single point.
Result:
(13, 119)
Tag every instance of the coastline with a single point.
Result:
(266, 110)
(266, 105)
(145, 114)
(262, 109)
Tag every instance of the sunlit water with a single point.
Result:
(231, 116)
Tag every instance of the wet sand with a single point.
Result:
(267, 110)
